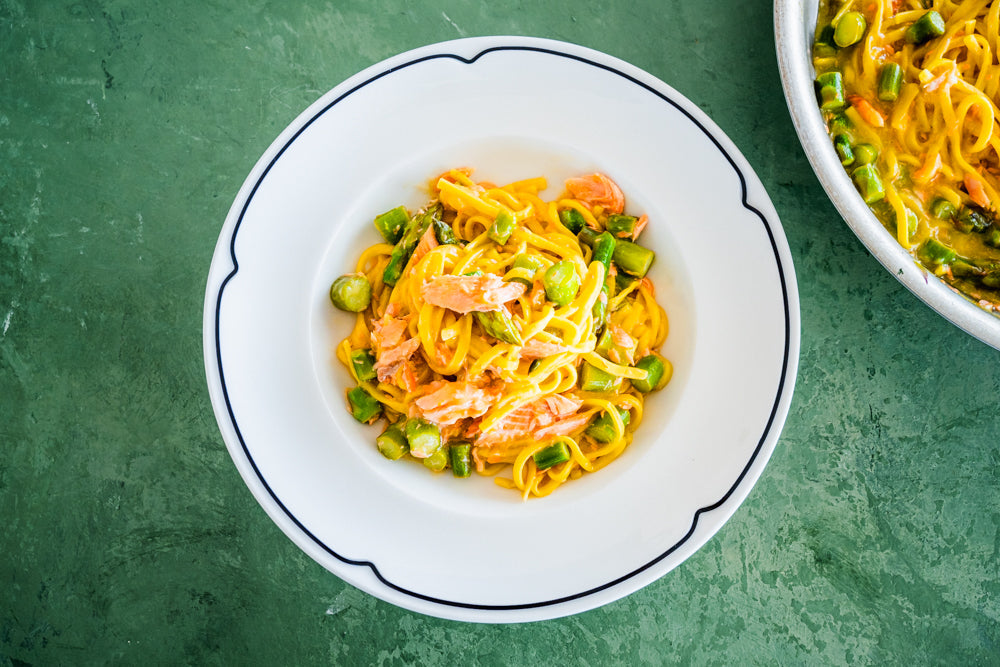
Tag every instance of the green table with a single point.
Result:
(126, 129)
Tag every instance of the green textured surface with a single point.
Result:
(126, 129)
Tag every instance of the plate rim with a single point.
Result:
(479, 47)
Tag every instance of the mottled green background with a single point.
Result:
(126, 129)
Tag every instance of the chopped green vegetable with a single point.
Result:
(824, 46)
(849, 29)
(527, 262)
(869, 183)
(498, 323)
(926, 27)
(609, 348)
(658, 373)
(933, 251)
(437, 460)
(423, 436)
(961, 267)
(840, 124)
(865, 154)
(561, 282)
(403, 249)
(889, 82)
(593, 378)
(587, 236)
(830, 91)
(553, 455)
(600, 309)
(991, 279)
(364, 365)
(602, 429)
(502, 227)
(392, 223)
(572, 220)
(972, 218)
(992, 238)
(942, 209)
(842, 144)
(604, 248)
(444, 234)
(632, 258)
(392, 443)
(460, 457)
(623, 281)
(621, 226)
(352, 292)
(364, 407)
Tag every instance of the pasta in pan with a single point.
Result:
(910, 91)
(496, 331)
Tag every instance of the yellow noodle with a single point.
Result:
(941, 134)
(455, 348)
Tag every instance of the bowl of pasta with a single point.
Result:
(492, 357)
(894, 102)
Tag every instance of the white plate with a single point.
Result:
(512, 108)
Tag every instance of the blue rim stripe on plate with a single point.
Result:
(694, 522)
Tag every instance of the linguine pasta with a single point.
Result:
(507, 342)
(910, 92)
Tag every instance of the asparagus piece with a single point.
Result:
(572, 220)
(621, 226)
(437, 460)
(824, 46)
(972, 218)
(593, 378)
(561, 282)
(830, 91)
(502, 227)
(407, 243)
(423, 436)
(942, 209)
(587, 236)
(869, 183)
(849, 29)
(602, 429)
(552, 455)
(926, 27)
(498, 323)
(889, 82)
(843, 146)
(865, 154)
(933, 251)
(444, 233)
(632, 258)
(392, 443)
(392, 223)
(352, 292)
(526, 261)
(658, 373)
(364, 365)
(363, 405)
(604, 248)
(460, 457)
